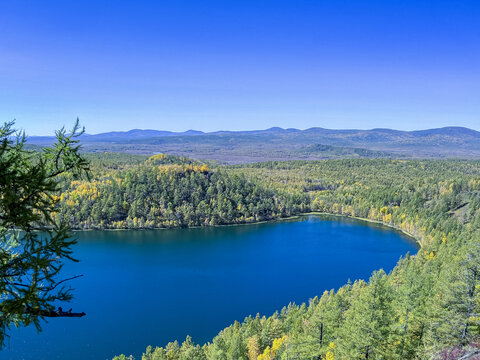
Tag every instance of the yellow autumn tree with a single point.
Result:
(253, 349)
(269, 353)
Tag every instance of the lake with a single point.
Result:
(149, 287)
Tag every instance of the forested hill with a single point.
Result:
(168, 191)
(289, 144)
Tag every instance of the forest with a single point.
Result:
(427, 307)
(169, 191)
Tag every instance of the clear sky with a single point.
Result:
(237, 65)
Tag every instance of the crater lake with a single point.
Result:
(149, 287)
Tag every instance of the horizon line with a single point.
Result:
(202, 132)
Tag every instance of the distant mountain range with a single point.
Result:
(281, 144)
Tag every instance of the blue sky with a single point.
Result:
(213, 65)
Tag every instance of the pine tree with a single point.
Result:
(368, 321)
(33, 245)
(455, 305)
(409, 305)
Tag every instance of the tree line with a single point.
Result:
(168, 191)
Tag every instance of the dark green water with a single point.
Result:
(150, 287)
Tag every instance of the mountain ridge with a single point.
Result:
(146, 133)
(287, 144)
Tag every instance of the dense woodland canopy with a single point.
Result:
(169, 191)
(427, 307)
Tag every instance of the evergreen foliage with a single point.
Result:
(33, 246)
(168, 191)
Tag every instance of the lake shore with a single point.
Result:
(289, 218)
(391, 226)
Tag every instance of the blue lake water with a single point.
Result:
(149, 287)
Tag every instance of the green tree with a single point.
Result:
(33, 245)
(409, 305)
(454, 310)
(368, 320)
